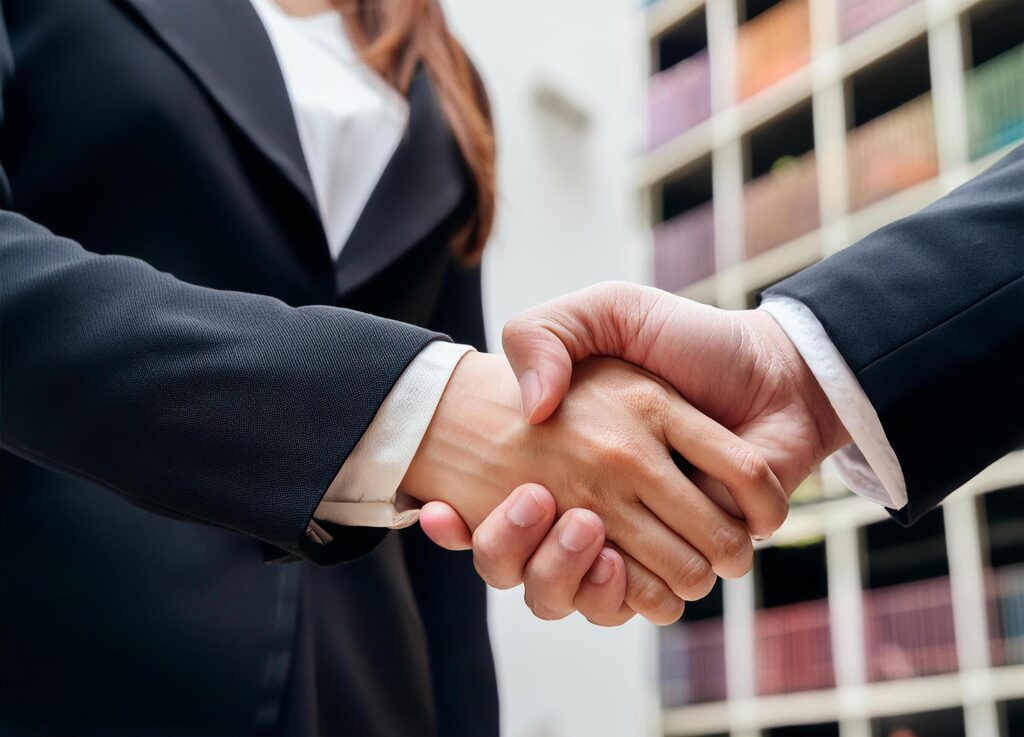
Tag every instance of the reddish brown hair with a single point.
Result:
(394, 37)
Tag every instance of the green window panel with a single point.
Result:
(995, 102)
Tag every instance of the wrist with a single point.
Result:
(463, 459)
(832, 434)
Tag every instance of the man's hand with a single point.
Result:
(737, 367)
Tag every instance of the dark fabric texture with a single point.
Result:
(929, 314)
(173, 330)
(225, 407)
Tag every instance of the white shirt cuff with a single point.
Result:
(365, 491)
(868, 465)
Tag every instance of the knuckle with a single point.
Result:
(731, 543)
(752, 468)
(587, 493)
(542, 578)
(768, 508)
(776, 514)
(489, 563)
(612, 453)
(605, 619)
(655, 601)
(625, 452)
(545, 610)
(513, 329)
(486, 542)
(603, 613)
(495, 577)
(695, 577)
(647, 399)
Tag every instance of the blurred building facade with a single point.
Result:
(779, 132)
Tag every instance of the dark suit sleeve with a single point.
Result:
(230, 408)
(929, 314)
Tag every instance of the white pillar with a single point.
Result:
(829, 106)
(860, 727)
(946, 65)
(846, 617)
(830, 146)
(967, 584)
(740, 666)
(830, 157)
(846, 606)
(727, 152)
(727, 190)
(721, 21)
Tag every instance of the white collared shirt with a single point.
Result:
(350, 122)
(868, 465)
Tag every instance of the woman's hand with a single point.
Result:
(607, 449)
(565, 567)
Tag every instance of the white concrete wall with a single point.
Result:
(568, 217)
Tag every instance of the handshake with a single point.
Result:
(662, 434)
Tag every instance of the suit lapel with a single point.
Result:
(421, 187)
(226, 48)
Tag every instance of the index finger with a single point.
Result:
(508, 537)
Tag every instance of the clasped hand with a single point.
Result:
(753, 424)
(606, 455)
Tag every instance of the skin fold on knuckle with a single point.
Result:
(615, 455)
(544, 609)
(516, 329)
(693, 577)
(604, 619)
(774, 515)
(585, 491)
(588, 603)
(655, 601)
(624, 470)
(495, 577)
(548, 576)
(752, 471)
(647, 401)
(604, 604)
(492, 560)
(487, 543)
(768, 506)
(732, 549)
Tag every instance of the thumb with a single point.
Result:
(542, 343)
(541, 363)
(445, 527)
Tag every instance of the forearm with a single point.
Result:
(230, 408)
(473, 453)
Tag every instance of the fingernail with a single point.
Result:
(526, 511)
(530, 389)
(578, 534)
(602, 570)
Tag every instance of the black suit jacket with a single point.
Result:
(929, 314)
(173, 341)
